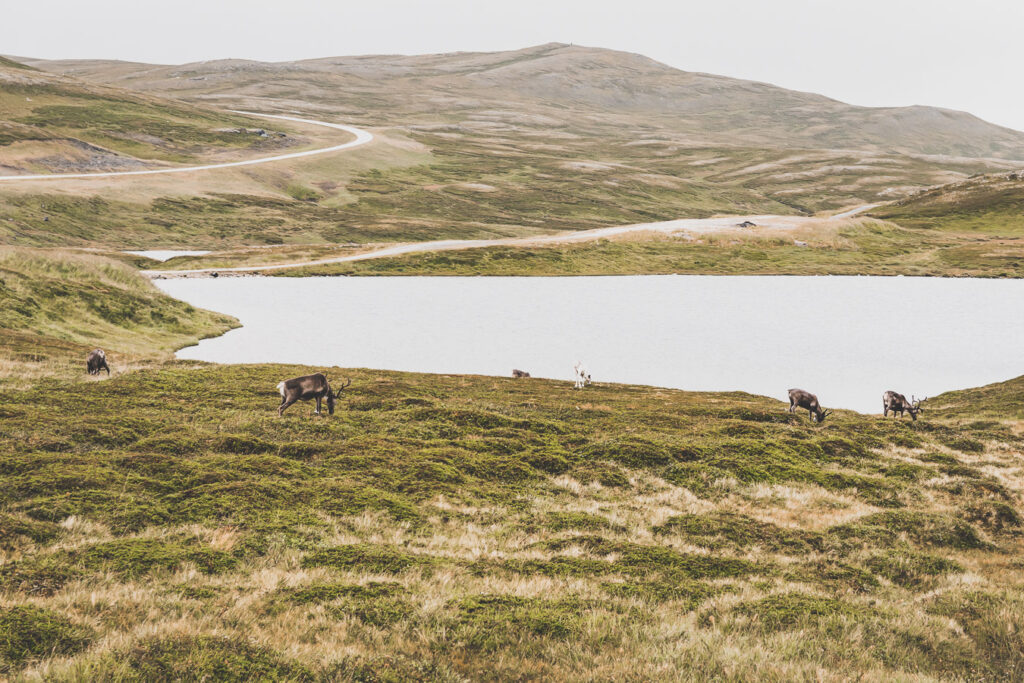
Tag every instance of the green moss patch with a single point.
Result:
(376, 603)
(885, 529)
(911, 570)
(793, 610)
(724, 529)
(28, 632)
(579, 521)
(193, 658)
(492, 622)
(670, 587)
(15, 531)
(834, 575)
(129, 558)
(362, 557)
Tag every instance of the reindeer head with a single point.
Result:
(821, 415)
(915, 406)
(333, 395)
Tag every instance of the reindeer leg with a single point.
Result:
(284, 404)
(317, 406)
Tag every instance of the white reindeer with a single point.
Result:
(582, 375)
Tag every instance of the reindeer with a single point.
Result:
(97, 361)
(582, 376)
(518, 374)
(798, 398)
(307, 387)
(898, 403)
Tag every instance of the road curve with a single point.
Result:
(362, 137)
(855, 211)
(683, 225)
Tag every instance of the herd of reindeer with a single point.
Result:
(316, 387)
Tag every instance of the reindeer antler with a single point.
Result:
(337, 394)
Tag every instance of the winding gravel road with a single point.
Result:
(362, 137)
(683, 225)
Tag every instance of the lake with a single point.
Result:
(847, 339)
(167, 254)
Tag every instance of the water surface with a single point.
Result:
(847, 339)
(165, 254)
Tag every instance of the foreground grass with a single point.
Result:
(167, 524)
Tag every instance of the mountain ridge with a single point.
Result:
(612, 85)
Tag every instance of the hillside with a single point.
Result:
(56, 306)
(516, 144)
(561, 82)
(986, 205)
(51, 123)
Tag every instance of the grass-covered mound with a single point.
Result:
(441, 527)
(79, 298)
(983, 205)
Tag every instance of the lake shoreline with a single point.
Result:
(757, 334)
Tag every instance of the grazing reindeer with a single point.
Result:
(518, 374)
(307, 387)
(582, 375)
(97, 361)
(898, 403)
(798, 398)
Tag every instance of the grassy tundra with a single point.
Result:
(166, 524)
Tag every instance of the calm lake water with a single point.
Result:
(165, 254)
(847, 339)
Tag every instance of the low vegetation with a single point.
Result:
(166, 524)
(51, 123)
(863, 247)
(78, 297)
(989, 205)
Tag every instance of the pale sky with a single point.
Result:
(960, 54)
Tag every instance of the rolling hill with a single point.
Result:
(52, 123)
(554, 85)
(478, 145)
(989, 204)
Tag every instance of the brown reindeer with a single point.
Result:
(96, 362)
(798, 398)
(518, 374)
(898, 403)
(306, 388)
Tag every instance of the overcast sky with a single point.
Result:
(952, 53)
